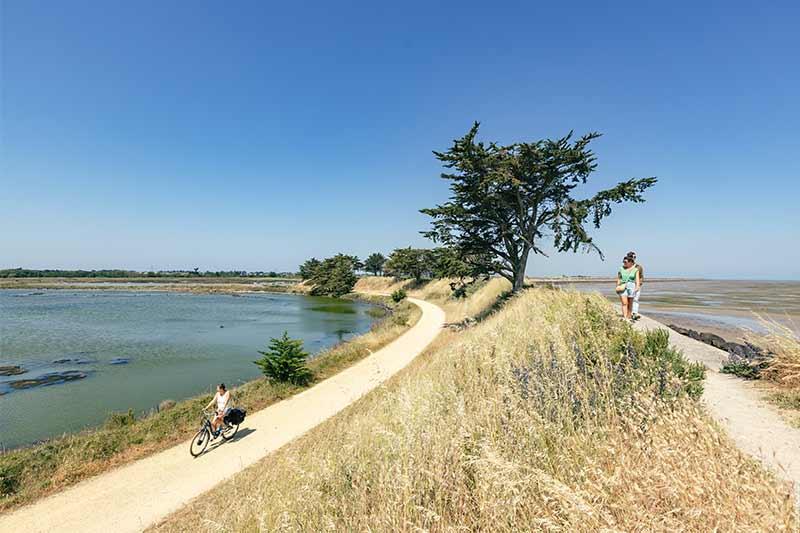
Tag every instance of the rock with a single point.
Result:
(11, 370)
(72, 361)
(743, 351)
(119, 361)
(44, 380)
(461, 325)
(165, 405)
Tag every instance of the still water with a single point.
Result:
(138, 348)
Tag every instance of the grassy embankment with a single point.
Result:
(29, 473)
(552, 414)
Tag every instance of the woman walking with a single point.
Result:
(628, 282)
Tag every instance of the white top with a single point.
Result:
(222, 401)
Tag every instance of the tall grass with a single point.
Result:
(482, 297)
(783, 345)
(29, 473)
(550, 415)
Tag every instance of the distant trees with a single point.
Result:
(507, 200)
(308, 268)
(334, 276)
(113, 273)
(374, 264)
(409, 263)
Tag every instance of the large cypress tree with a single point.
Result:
(507, 200)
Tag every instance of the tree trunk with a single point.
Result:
(519, 271)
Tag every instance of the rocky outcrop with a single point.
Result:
(746, 351)
(11, 370)
(52, 378)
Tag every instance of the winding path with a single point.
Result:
(134, 496)
(754, 426)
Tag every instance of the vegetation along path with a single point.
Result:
(755, 428)
(139, 494)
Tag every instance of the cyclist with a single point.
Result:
(222, 399)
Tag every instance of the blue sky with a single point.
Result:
(253, 135)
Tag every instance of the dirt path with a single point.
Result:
(135, 496)
(756, 428)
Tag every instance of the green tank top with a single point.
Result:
(627, 276)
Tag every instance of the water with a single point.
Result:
(727, 307)
(177, 345)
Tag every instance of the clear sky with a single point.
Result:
(253, 135)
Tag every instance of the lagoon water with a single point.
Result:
(139, 348)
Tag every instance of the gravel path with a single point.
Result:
(755, 427)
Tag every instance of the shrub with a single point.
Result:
(10, 474)
(398, 296)
(166, 405)
(120, 420)
(285, 361)
(742, 369)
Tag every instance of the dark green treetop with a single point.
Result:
(335, 276)
(374, 263)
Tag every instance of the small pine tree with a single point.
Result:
(285, 361)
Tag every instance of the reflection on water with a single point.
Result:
(714, 303)
(138, 348)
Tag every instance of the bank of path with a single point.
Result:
(754, 426)
(137, 495)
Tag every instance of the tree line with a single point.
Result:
(336, 276)
(119, 273)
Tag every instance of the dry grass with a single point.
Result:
(481, 297)
(784, 346)
(30, 473)
(551, 415)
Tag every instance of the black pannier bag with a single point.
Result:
(235, 416)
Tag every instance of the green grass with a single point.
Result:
(29, 473)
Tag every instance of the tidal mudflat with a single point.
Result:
(729, 308)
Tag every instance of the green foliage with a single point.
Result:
(409, 263)
(285, 361)
(374, 264)
(665, 361)
(10, 474)
(505, 199)
(398, 296)
(335, 276)
(742, 369)
(120, 420)
(308, 268)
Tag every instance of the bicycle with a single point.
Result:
(206, 433)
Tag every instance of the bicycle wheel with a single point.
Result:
(229, 431)
(199, 442)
